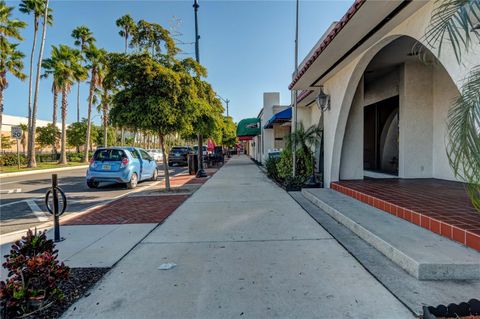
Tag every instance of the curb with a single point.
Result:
(40, 171)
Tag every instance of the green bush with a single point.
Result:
(271, 166)
(75, 157)
(304, 166)
(10, 159)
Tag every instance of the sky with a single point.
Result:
(246, 46)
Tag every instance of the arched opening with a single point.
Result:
(396, 124)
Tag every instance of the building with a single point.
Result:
(382, 96)
(270, 128)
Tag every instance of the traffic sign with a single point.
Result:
(17, 132)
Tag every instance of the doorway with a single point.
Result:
(381, 136)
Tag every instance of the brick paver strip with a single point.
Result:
(132, 210)
(140, 209)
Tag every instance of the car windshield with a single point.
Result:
(109, 155)
(179, 150)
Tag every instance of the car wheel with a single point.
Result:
(155, 175)
(133, 181)
(92, 184)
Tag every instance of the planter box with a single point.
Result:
(453, 310)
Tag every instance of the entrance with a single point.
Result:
(381, 133)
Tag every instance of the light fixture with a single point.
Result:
(323, 100)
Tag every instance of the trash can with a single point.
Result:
(192, 164)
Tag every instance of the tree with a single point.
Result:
(39, 9)
(100, 136)
(76, 133)
(48, 135)
(229, 132)
(83, 38)
(304, 140)
(127, 28)
(153, 38)
(96, 58)
(11, 59)
(69, 70)
(147, 98)
(453, 23)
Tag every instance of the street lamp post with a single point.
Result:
(200, 172)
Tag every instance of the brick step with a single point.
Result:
(421, 253)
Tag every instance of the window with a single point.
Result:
(109, 155)
(145, 155)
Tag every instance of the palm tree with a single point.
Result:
(69, 70)
(37, 8)
(454, 22)
(304, 140)
(83, 37)
(11, 60)
(127, 27)
(47, 18)
(96, 58)
(50, 66)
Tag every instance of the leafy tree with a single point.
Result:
(452, 24)
(147, 98)
(229, 132)
(11, 59)
(153, 38)
(48, 135)
(40, 11)
(111, 136)
(76, 133)
(7, 142)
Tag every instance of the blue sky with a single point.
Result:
(247, 46)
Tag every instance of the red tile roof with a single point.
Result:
(328, 39)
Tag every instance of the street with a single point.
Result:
(22, 198)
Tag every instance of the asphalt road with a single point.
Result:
(22, 198)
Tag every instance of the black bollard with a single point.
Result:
(56, 224)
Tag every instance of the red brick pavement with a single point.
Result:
(131, 210)
(139, 209)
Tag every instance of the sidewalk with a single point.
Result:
(243, 248)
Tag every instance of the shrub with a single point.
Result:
(35, 275)
(271, 166)
(304, 165)
(74, 157)
(10, 159)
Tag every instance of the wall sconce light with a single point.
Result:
(323, 100)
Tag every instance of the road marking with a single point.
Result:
(10, 191)
(40, 214)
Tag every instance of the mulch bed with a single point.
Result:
(81, 280)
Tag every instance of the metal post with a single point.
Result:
(200, 172)
(56, 214)
(295, 94)
(18, 155)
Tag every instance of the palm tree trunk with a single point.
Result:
(123, 137)
(54, 119)
(1, 109)
(32, 162)
(30, 83)
(78, 109)
(89, 116)
(126, 42)
(105, 125)
(165, 161)
(63, 151)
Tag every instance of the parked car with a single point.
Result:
(204, 147)
(127, 165)
(156, 154)
(179, 155)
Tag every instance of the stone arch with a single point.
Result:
(351, 88)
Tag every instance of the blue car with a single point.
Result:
(128, 165)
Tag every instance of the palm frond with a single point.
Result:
(452, 22)
(463, 148)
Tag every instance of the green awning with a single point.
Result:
(249, 127)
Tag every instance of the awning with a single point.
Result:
(249, 127)
(280, 117)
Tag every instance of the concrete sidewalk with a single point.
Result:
(243, 248)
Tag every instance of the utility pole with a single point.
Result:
(200, 172)
(294, 93)
(226, 102)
